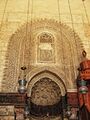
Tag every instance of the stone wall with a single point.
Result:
(14, 14)
(7, 113)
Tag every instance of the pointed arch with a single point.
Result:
(72, 52)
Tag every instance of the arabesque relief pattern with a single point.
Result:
(22, 50)
(46, 48)
(45, 92)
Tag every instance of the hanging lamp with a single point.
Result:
(26, 110)
(22, 82)
(83, 89)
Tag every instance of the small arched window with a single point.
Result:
(46, 49)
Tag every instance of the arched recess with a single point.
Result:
(45, 92)
(22, 50)
(43, 72)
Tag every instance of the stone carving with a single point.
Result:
(47, 118)
(45, 56)
(87, 30)
(46, 37)
(45, 48)
(45, 92)
(65, 52)
(6, 112)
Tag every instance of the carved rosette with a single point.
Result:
(45, 92)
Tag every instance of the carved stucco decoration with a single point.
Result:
(46, 48)
(22, 50)
(49, 72)
(45, 92)
(87, 30)
(6, 110)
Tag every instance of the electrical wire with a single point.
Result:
(85, 11)
(31, 13)
(26, 34)
(86, 16)
(74, 67)
(28, 30)
(58, 5)
(71, 62)
(6, 2)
